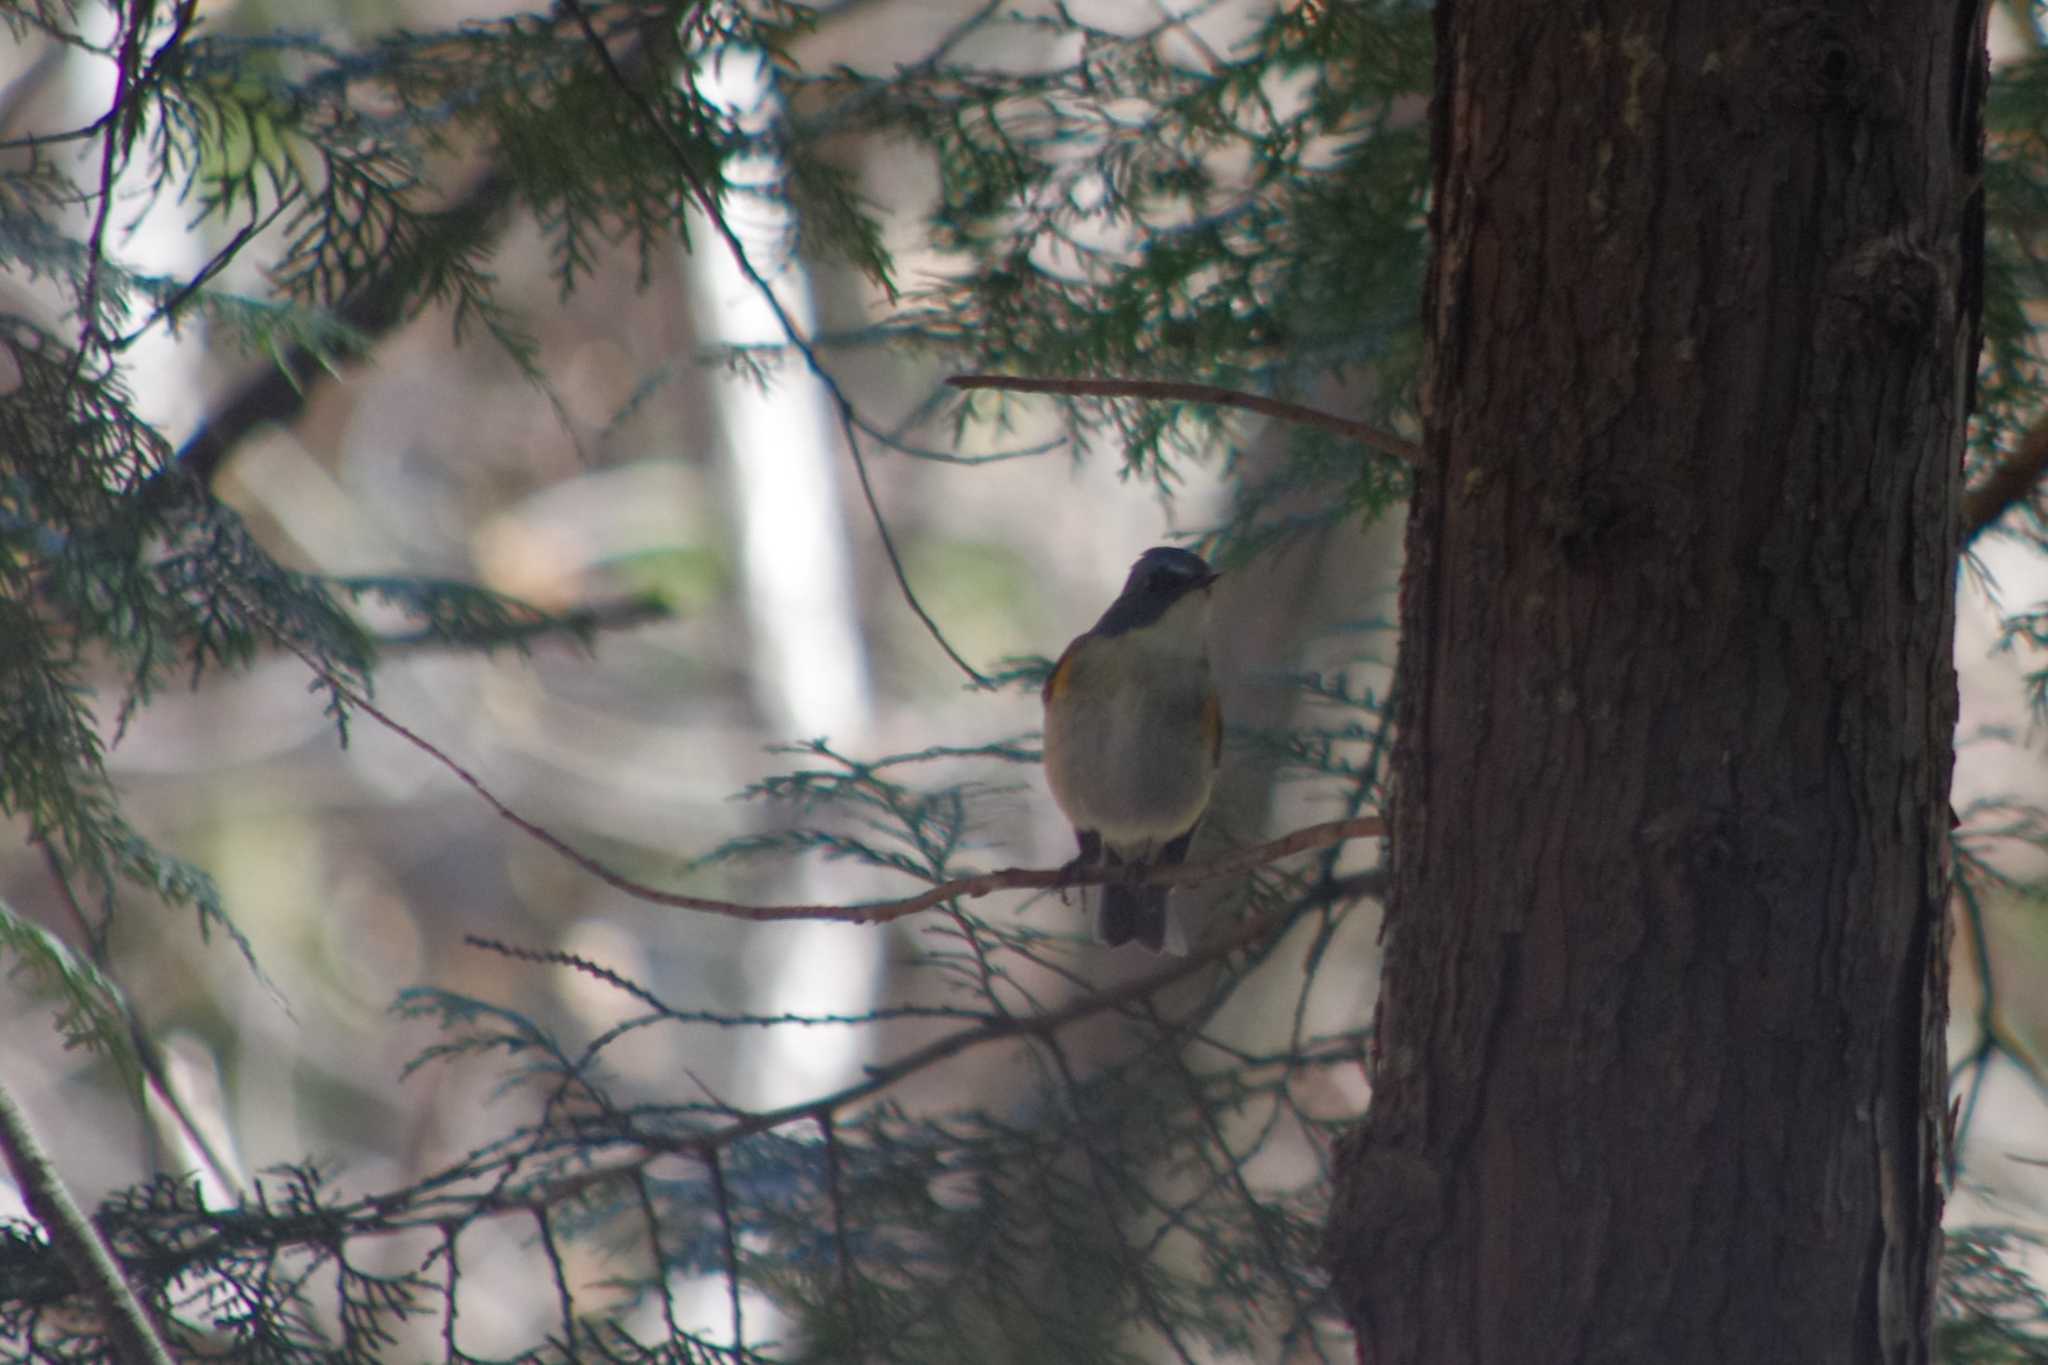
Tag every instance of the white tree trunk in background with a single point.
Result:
(809, 668)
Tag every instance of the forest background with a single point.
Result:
(410, 378)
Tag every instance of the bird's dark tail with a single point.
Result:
(1129, 914)
(1137, 914)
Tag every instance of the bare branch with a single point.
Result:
(1173, 391)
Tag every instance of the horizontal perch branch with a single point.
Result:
(878, 912)
(1018, 878)
(1173, 391)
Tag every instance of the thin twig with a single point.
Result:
(563, 1296)
(449, 1232)
(1132, 1262)
(842, 1247)
(1174, 391)
(200, 278)
(723, 1199)
(148, 1055)
(113, 155)
(644, 1197)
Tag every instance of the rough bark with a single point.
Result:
(1658, 1073)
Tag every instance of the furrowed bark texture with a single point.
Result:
(1658, 1074)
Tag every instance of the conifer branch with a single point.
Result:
(1043, 1026)
(280, 392)
(1174, 391)
(129, 1331)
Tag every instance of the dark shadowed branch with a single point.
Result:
(2012, 481)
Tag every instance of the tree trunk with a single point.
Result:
(1658, 1074)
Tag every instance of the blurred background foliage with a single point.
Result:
(401, 397)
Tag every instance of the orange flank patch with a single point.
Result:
(1061, 677)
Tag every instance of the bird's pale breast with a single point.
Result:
(1129, 761)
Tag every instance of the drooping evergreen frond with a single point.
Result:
(88, 1012)
(1991, 1312)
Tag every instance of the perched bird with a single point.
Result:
(1133, 734)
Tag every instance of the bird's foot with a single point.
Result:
(1069, 870)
